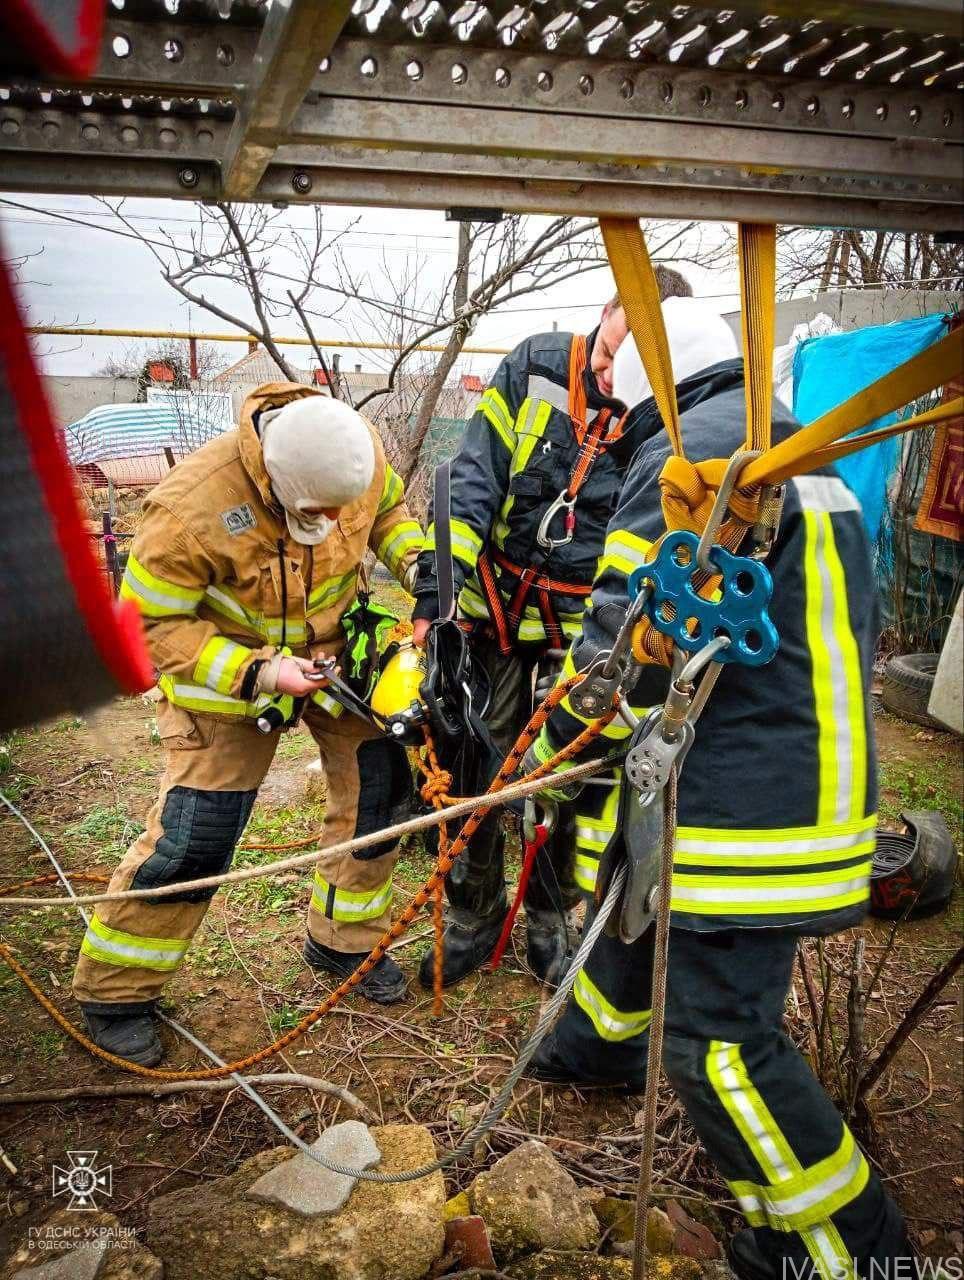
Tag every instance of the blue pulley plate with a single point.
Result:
(678, 611)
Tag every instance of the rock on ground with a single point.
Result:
(84, 1246)
(529, 1202)
(302, 1185)
(382, 1233)
(556, 1264)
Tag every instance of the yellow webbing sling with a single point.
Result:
(688, 489)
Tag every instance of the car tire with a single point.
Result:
(906, 688)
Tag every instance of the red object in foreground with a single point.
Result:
(61, 36)
(469, 1238)
(65, 644)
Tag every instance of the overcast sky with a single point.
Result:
(87, 275)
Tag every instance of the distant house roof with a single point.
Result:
(254, 369)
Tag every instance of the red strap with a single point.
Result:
(493, 602)
(542, 583)
(550, 621)
(528, 862)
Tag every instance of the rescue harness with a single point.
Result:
(531, 579)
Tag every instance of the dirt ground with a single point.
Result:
(87, 784)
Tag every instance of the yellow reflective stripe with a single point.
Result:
(754, 1122)
(853, 686)
(329, 590)
(466, 543)
(776, 847)
(611, 1023)
(327, 703)
(220, 661)
(623, 552)
(350, 905)
(198, 697)
(493, 407)
(809, 1197)
(767, 894)
(157, 597)
(530, 426)
(393, 548)
(586, 871)
(111, 946)
(837, 679)
(471, 603)
(393, 491)
(595, 831)
(223, 602)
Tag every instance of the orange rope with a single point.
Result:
(427, 892)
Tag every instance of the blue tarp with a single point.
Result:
(827, 371)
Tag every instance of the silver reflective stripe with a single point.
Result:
(838, 677)
(540, 388)
(825, 494)
(145, 592)
(216, 670)
(811, 1196)
(754, 845)
(230, 606)
(683, 892)
(595, 834)
(149, 957)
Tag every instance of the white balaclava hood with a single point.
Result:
(318, 453)
(698, 338)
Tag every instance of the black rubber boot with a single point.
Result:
(549, 1065)
(550, 945)
(469, 941)
(128, 1035)
(385, 984)
(746, 1258)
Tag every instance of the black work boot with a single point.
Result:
(747, 1260)
(549, 1064)
(127, 1031)
(385, 984)
(469, 941)
(550, 945)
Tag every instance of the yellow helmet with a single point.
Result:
(396, 700)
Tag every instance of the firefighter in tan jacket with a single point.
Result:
(243, 567)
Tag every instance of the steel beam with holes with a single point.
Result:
(560, 137)
(170, 58)
(579, 173)
(602, 92)
(107, 173)
(419, 188)
(297, 36)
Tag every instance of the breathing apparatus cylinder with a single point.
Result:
(396, 700)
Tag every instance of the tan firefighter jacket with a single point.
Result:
(221, 584)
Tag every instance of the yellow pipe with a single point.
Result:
(183, 334)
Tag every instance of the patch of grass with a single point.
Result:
(296, 746)
(69, 725)
(908, 785)
(283, 1019)
(48, 1044)
(105, 829)
(276, 827)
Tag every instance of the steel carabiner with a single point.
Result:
(563, 503)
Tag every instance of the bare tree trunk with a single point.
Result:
(436, 383)
(843, 265)
(828, 265)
